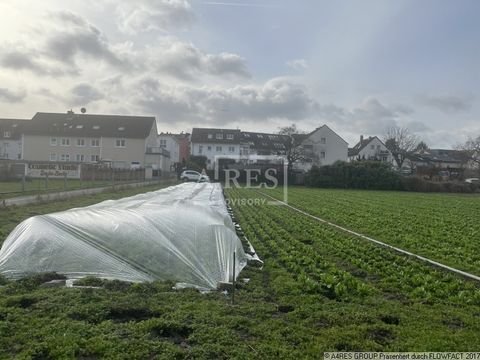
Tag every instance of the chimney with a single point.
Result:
(361, 139)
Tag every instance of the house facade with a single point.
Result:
(170, 143)
(121, 141)
(437, 162)
(371, 148)
(322, 146)
(11, 139)
(210, 142)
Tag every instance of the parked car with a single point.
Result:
(191, 175)
(473, 181)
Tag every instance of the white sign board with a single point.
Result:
(71, 171)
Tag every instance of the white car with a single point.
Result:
(190, 175)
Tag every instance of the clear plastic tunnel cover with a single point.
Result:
(182, 233)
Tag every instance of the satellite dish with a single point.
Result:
(83, 110)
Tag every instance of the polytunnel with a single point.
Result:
(181, 233)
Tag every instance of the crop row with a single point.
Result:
(444, 228)
(325, 261)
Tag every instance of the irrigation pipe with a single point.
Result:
(401, 251)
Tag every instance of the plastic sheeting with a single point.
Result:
(182, 233)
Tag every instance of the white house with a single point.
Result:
(211, 142)
(11, 139)
(322, 146)
(371, 148)
(170, 142)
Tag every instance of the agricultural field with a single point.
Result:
(442, 227)
(319, 290)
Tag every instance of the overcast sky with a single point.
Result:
(357, 66)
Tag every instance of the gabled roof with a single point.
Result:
(13, 127)
(70, 124)
(299, 138)
(438, 155)
(209, 135)
(361, 145)
(265, 141)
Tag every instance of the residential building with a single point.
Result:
(119, 140)
(371, 148)
(11, 132)
(211, 142)
(437, 162)
(254, 143)
(183, 140)
(170, 142)
(322, 146)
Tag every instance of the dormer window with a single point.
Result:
(219, 136)
(7, 134)
(121, 128)
(230, 136)
(95, 127)
(210, 136)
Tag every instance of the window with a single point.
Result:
(231, 148)
(200, 149)
(95, 127)
(80, 158)
(65, 157)
(209, 148)
(80, 142)
(209, 161)
(53, 157)
(95, 142)
(163, 143)
(121, 128)
(79, 127)
(308, 147)
(219, 148)
(210, 136)
(19, 157)
(372, 147)
(260, 136)
(120, 143)
(322, 155)
(230, 136)
(65, 142)
(378, 147)
(94, 158)
(53, 141)
(7, 134)
(219, 136)
(323, 140)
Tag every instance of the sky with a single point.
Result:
(357, 66)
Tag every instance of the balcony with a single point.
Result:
(157, 151)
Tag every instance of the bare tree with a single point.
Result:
(401, 142)
(293, 150)
(471, 151)
(422, 146)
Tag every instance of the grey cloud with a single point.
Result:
(447, 103)
(78, 37)
(185, 61)
(83, 94)
(370, 117)
(226, 63)
(276, 99)
(27, 60)
(7, 95)
(148, 15)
